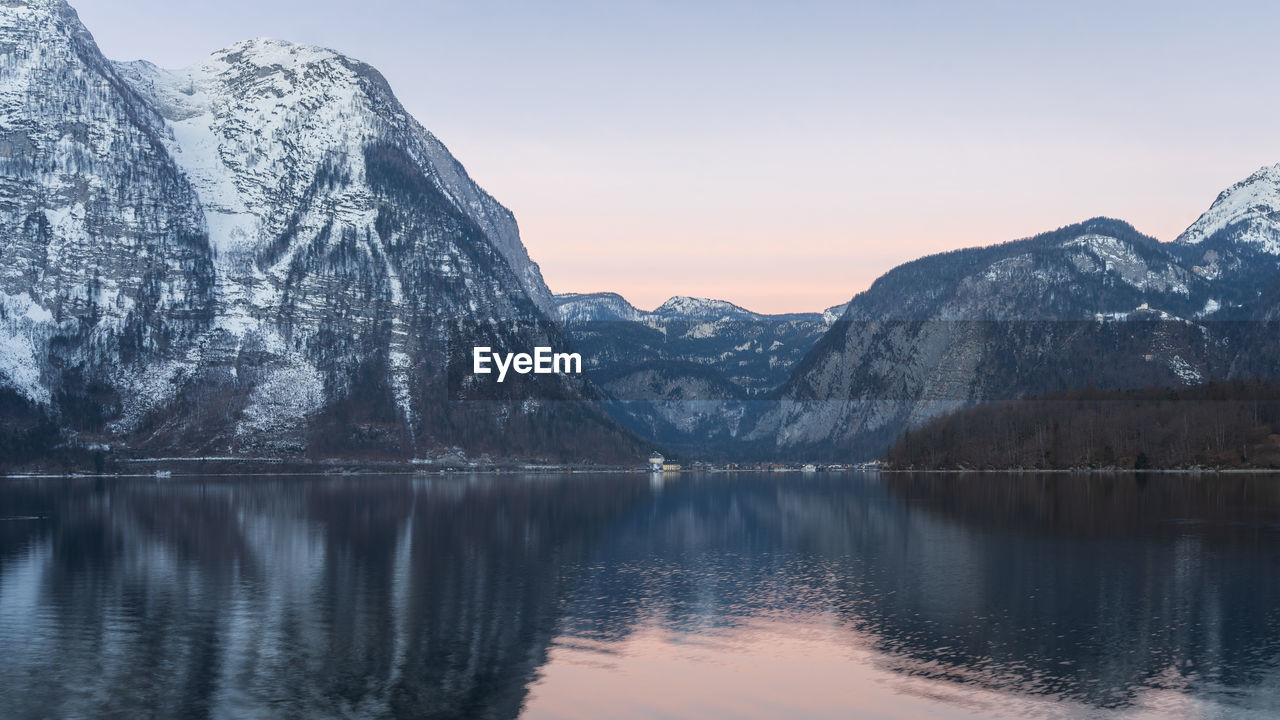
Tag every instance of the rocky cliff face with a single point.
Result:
(686, 374)
(1090, 304)
(105, 265)
(262, 254)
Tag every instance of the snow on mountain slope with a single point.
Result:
(834, 313)
(255, 124)
(594, 307)
(611, 306)
(1249, 210)
(701, 309)
(1111, 256)
(23, 323)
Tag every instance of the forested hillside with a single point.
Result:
(1216, 425)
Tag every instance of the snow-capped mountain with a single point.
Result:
(263, 253)
(704, 309)
(1246, 213)
(229, 115)
(1236, 242)
(686, 373)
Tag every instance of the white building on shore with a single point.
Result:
(655, 462)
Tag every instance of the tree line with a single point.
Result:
(1230, 424)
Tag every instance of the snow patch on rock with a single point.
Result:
(23, 322)
(282, 399)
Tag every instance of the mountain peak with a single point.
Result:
(695, 307)
(24, 23)
(55, 7)
(265, 52)
(226, 113)
(594, 307)
(1249, 210)
(834, 313)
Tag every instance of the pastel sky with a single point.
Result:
(782, 155)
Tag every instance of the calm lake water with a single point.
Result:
(756, 596)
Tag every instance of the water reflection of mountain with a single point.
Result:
(1111, 583)
(288, 598)
(1087, 589)
(398, 597)
(1100, 505)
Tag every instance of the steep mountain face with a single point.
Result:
(688, 372)
(260, 254)
(1090, 304)
(105, 266)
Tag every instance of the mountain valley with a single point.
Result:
(264, 255)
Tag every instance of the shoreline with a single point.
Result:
(259, 467)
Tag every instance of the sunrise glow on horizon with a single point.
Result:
(782, 158)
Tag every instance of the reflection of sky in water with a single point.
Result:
(580, 596)
(810, 667)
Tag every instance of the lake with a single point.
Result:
(784, 595)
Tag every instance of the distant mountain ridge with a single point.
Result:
(686, 373)
(582, 307)
(1091, 304)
